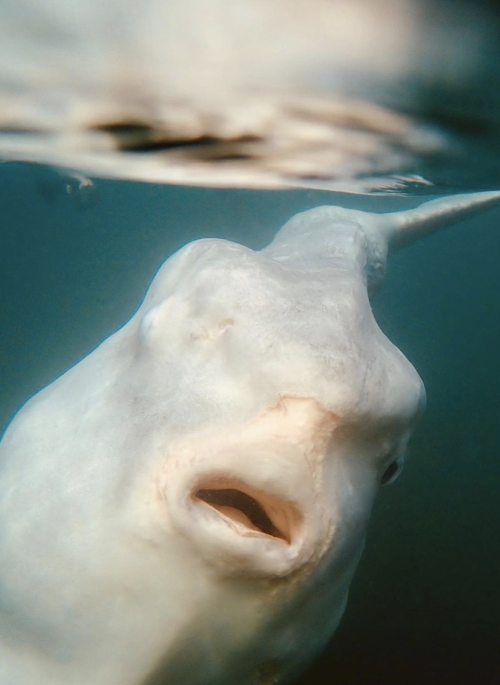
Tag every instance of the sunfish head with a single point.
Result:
(292, 408)
(189, 503)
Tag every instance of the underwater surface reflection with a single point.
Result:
(340, 94)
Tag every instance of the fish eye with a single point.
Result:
(391, 473)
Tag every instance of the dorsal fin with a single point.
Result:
(402, 228)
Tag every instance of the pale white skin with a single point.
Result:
(264, 373)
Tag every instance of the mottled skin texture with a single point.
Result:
(260, 373)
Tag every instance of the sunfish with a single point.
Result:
(188, 504)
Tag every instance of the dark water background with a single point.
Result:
(425, 604)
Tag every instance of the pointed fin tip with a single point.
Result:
(403, 228)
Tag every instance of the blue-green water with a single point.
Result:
(425, 603)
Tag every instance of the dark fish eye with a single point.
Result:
(390, 473)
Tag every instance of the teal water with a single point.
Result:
(425, 603)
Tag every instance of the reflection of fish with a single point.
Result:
(189, 502)
(255, 93)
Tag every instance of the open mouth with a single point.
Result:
(248, 510)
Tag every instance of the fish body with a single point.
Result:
(188, 504)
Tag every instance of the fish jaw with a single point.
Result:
(275, 581)
(269, 499)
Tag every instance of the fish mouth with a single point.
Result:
(249, 511)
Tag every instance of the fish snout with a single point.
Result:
(248, 510)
